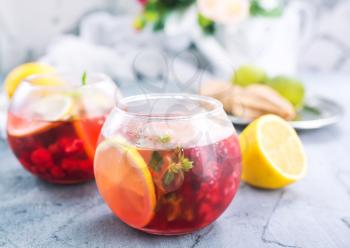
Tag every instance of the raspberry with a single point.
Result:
(41, 157)
(75, 147)
(55, 149)
(64, 142)
(204, 209)
(69, 164)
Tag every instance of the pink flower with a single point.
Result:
(229, 12)
(142, 2)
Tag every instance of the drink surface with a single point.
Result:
(59, 151)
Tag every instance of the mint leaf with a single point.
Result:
(168, 178)
(156, 161)
(165, 139)
(83, 78)
(186, 164)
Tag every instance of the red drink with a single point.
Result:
(54, 122)
(168, 173)
(195, 198)
(58, 152)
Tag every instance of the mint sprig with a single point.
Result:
(181, 161)
(83, 78)
(165, 139)
(180, 164)
(187, 165)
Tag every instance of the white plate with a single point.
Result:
(318, 112)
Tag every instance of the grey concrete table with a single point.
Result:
(314, 212)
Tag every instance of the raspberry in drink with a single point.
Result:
(53, 130)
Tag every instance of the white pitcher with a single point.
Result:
(271, 43)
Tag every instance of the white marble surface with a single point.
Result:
(313, 213)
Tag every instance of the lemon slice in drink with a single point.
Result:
(56, 107)
(273, 155)
(125, 182)
(43, 113)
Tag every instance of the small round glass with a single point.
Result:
(168, 164)
(54, 122)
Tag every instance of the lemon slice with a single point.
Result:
(273, 155)
(21, 127)
(21, 72)
(56, 107)
(43, 115)
(125, 182)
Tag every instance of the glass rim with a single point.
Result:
(122, 105)
(29, 80)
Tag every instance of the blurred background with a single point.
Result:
(306, 36)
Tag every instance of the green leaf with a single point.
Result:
(159, 23)
(311, 109)
(168, 178)
(186, 164)
(157, 11)
(165, 139)
(156, 161)
(83, 78)
(207, 25)
(257, 9)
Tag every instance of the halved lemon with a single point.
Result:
(23, 71)
(125, 182)
(273, 155)
(44, 112)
